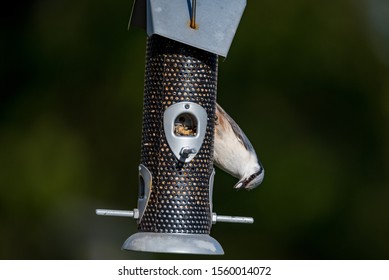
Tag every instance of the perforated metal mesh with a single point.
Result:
(179, 202)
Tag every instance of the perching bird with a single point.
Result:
(234, 153)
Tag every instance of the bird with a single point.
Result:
(234, 154)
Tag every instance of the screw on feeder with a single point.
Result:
(186, 151)
(193, 15)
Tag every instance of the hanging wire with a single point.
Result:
(193, 16)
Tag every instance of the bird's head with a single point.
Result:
(251, 181)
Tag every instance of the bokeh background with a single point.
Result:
(308, 81)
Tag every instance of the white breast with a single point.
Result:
(230, 153)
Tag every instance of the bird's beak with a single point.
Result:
(239, 185)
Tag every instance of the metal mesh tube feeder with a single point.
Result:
(176, 171)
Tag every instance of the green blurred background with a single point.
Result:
(308, 81)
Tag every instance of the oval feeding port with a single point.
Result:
(185, 125)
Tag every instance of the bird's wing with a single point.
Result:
(236, 129)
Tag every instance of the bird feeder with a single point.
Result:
(176, 173)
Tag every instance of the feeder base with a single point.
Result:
(202, 244)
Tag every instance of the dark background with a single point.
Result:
(308, 81)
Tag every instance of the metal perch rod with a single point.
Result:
(215, 217)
